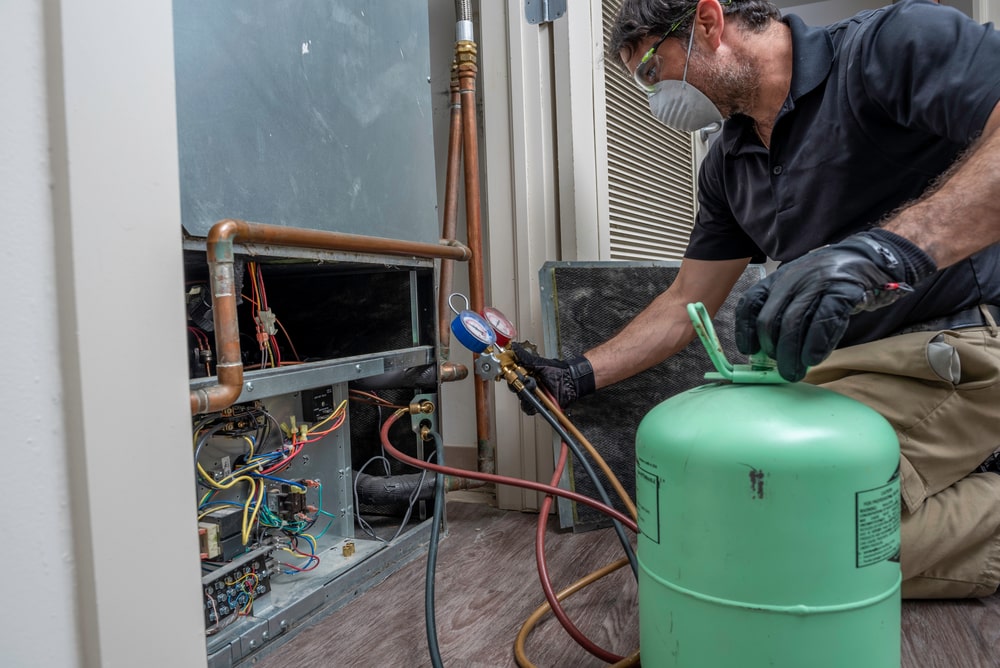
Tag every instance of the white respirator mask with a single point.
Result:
(679, 105)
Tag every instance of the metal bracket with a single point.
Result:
(544, 11)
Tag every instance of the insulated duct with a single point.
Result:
(391, 495)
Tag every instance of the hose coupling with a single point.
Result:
(423, 407)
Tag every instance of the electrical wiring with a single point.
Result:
(236, 606)
(249, 516)
(367, 528)
(233, 479)
(265, 337)
(288, 338)
(203, 345)
(365, 397)
(215, 628)
(338, 416)
(312, 562)
(414, 495)
(256, 470)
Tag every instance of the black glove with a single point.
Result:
(798, 314)
(566, 380)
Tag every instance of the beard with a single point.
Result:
(731, 87)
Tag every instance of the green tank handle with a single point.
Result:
(762, 369)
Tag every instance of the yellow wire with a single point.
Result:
(334, 414)
(219, 485)
(299, 555)
(240, 579)
(248, 526)
(615, 483)
(251, 444)
(247, 521)
(529, 624)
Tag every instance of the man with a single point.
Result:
(875, 141)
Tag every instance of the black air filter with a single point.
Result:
(585, 304)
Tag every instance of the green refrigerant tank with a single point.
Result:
(768, 520)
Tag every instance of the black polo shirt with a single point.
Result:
(879, 105)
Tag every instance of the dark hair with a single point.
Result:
(637, 19)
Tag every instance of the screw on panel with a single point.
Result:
(249, 387)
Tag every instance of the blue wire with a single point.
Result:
(281, 480)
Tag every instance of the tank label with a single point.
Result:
(878, 524)
(647, 503)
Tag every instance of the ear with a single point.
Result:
(709, 23)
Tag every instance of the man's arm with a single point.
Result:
(961, 215)
(663, 327)
(798, 314)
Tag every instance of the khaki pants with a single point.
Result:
(947, 417)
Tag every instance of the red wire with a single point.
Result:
(543, 572)
(317, 435)
(501, 480)
(263, 294)
(277, 353)
(200, 335)
(296, 448)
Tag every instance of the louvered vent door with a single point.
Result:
(651, 180)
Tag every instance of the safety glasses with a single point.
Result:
(647, 74)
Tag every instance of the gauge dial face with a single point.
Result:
(475, 325)
(499, 322)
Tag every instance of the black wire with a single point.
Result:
(202, 440)
(526, 394)
(432, 551)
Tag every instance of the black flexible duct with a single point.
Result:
(393, 490)
(414, 377)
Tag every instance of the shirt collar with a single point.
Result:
(812, 59)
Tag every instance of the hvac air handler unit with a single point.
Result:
(769, 525)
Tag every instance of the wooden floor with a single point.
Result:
(487, 586)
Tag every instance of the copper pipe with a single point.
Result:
(450, 221)
(465, 53)
(451, 371)
(220, 256)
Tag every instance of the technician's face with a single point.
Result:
(729, 85)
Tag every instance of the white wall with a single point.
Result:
(37, 619)
(100, 562)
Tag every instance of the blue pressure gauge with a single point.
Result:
(471, 329)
